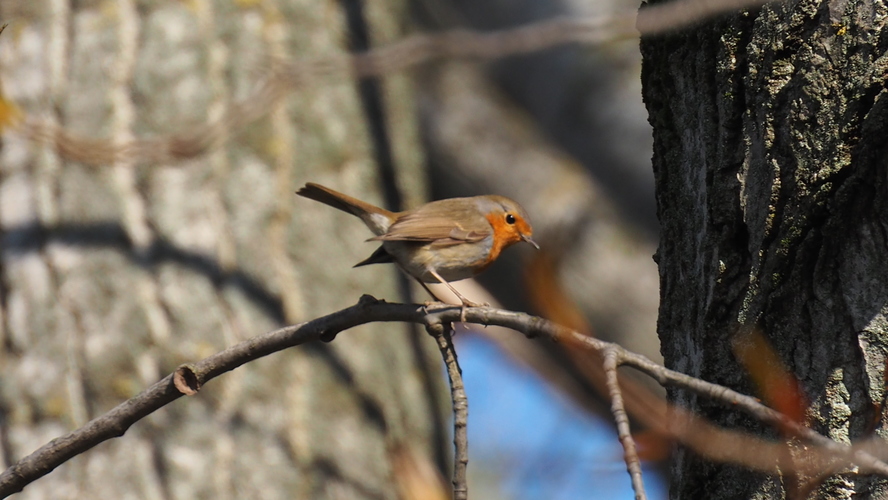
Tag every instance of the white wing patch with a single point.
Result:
(378, 223)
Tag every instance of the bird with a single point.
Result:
(440, 241)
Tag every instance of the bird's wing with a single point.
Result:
(440, 231)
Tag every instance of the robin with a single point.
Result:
(439, 242)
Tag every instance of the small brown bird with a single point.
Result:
(442, 241)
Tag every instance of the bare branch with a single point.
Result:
(443, 333)
(283, 79)
(671, 16)
(731, 398)
(196, 375)
(630, 455)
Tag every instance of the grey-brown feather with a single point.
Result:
(320, 193)
(376, 218)
(442, 223)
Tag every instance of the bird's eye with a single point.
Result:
(510, 219)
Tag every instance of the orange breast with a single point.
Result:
(503, 236)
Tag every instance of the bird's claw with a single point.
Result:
(468, 303)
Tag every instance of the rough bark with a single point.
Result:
(771, 171)
(113, 275)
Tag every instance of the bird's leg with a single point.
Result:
(465, 302)
(429, 291)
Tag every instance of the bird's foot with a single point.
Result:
(468, 303)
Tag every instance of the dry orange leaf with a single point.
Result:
(777, 386)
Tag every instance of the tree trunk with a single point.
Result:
(771, 160)
(114, 274)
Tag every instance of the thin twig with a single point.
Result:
(630, 455)
(194, 376)
(533, 326)
(443, 333)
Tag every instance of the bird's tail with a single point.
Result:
(376, 218)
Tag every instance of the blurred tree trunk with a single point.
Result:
(771, 165)
(113, 275)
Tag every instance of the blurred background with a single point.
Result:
(149, 156)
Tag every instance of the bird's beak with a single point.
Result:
(530, 240)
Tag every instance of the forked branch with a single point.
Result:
(192, 377)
